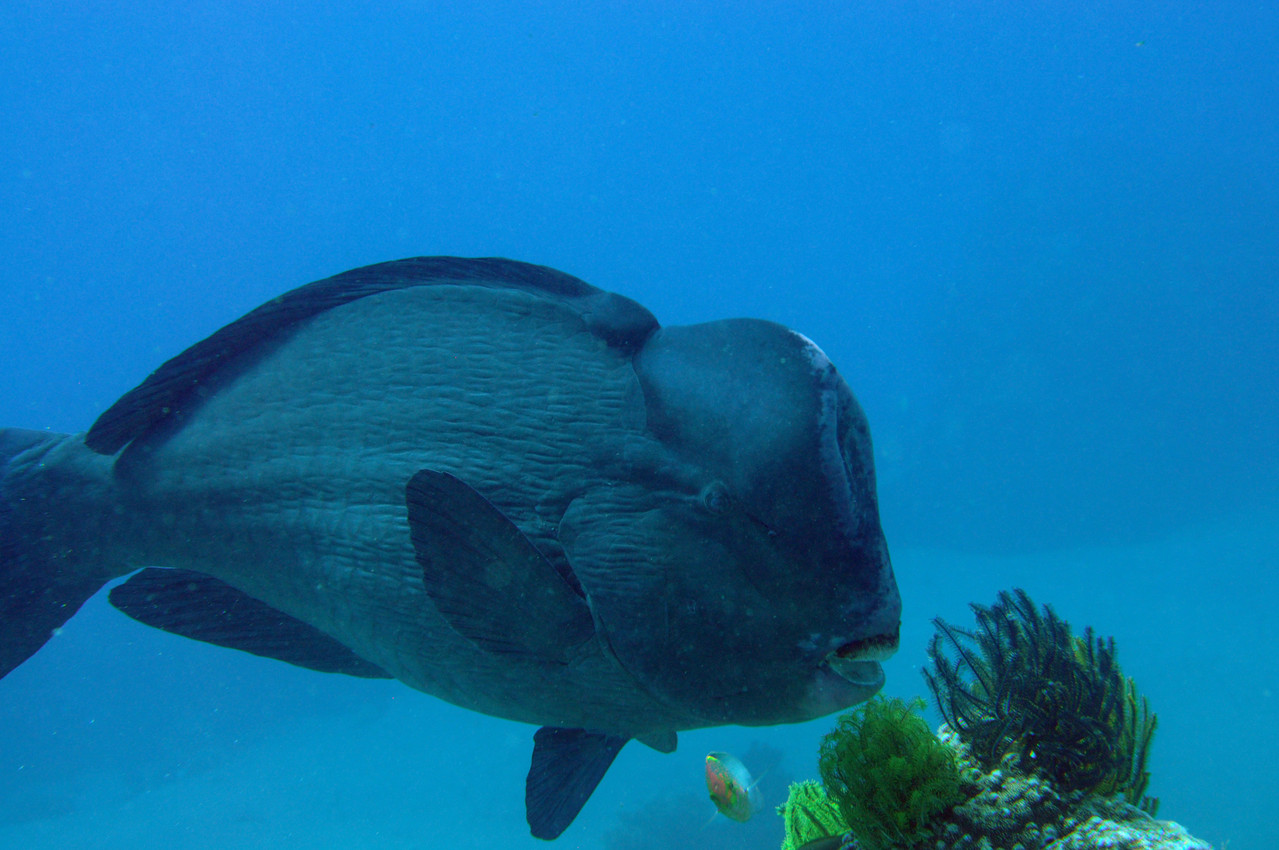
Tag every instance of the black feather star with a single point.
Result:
(1021, 683)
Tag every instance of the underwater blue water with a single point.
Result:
(1039, 240)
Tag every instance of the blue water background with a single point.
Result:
(1040, 241)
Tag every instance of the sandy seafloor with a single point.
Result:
(324, 761)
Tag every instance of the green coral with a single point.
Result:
(1045, 745)
(887, 773)
(1022, 683)
(809, 815)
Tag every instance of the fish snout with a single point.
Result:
(851, 672)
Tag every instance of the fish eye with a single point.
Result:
(715, 499)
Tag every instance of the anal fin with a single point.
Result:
(202, 608)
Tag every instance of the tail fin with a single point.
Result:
(39, 588)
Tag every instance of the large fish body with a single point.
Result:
(495, 483)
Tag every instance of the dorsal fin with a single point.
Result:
(166, 391)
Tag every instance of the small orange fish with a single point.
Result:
(732, 790)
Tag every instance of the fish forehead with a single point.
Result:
(743, 395)
(762, 407)
(817, 358)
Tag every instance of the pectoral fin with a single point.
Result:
(567, 765)
(487, 578)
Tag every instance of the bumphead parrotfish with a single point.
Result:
(495, 483)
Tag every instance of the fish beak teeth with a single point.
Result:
(875, 648)
(857, 661)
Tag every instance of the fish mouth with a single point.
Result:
(857, 661)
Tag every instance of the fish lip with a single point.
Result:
(857, 661)
(863, 674)
(840, 683)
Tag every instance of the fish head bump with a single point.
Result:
(737, 567)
